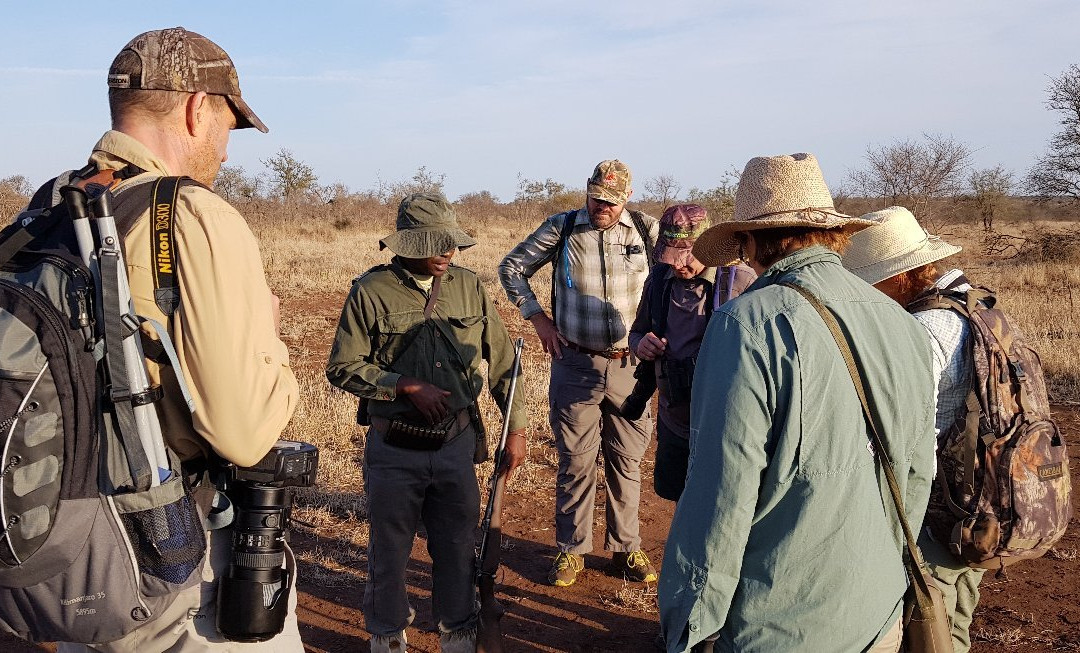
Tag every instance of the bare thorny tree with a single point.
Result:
(1057, 172)
(662, 189)
(914, 173)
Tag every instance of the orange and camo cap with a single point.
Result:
(610, 182)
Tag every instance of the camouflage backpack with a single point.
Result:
(1003, 474)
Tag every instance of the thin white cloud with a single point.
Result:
(52, 72)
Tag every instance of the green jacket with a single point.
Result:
(780, 541)
(382, 336)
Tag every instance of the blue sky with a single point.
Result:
(482, 91)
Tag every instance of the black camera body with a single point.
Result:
(677, 379)
(252, 599)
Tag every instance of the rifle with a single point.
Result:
(488, 631)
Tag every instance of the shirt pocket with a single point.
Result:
(829, 449)
(635, 260)
(466, 334)
(396, 333)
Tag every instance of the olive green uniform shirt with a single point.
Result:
(382, 336)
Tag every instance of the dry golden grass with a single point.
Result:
(1041, 296)
(999, 635)
(633, 598)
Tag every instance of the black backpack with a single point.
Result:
(95, 539)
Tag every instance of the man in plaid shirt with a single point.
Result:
(600, 256)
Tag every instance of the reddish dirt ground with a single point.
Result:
(1036, 608)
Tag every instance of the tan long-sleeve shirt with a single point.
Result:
(227, 343)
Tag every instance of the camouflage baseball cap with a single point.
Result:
(610, 182)
(175, 59)
(426, 226)
(679, 228)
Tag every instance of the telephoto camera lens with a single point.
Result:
(253, 594)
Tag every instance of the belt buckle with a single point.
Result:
(613, 353)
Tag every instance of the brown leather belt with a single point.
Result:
(613, 354)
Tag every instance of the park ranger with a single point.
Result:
(412, 335)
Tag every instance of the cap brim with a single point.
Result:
(605, 194)
(931, 252)
(425, 243)
(245, 117)
(718, 244)
(674, 256)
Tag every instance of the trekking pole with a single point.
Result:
(75, 198)
(488, 631)
(127, 368)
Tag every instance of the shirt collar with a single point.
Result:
(405, 275)
(117, 147)
(794, 261)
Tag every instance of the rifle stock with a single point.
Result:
(489, 628)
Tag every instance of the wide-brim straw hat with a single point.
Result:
(896, 243)
(775, 191)
(426, 227)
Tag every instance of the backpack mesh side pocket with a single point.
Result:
(166, 535)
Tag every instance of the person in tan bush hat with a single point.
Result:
(780, 541)
(174, 97)
(599, 256)
(899, 258)
(412, 337)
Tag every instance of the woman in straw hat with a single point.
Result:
(898, 257)
(780, 541)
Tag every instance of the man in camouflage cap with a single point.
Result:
(600, 257)
(174, 97)
(412, 336)
(680, 296)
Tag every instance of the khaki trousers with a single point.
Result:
(585, 395)
(189, 624)
(890, 642)
(960, 585)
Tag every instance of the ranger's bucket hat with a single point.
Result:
(426, 227)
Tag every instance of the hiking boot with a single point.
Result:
(565, 569)
(459, 641)
(388, 643)
(633, 566)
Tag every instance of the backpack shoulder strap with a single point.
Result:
(659, 299)
(638, 219)
(567, 228)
